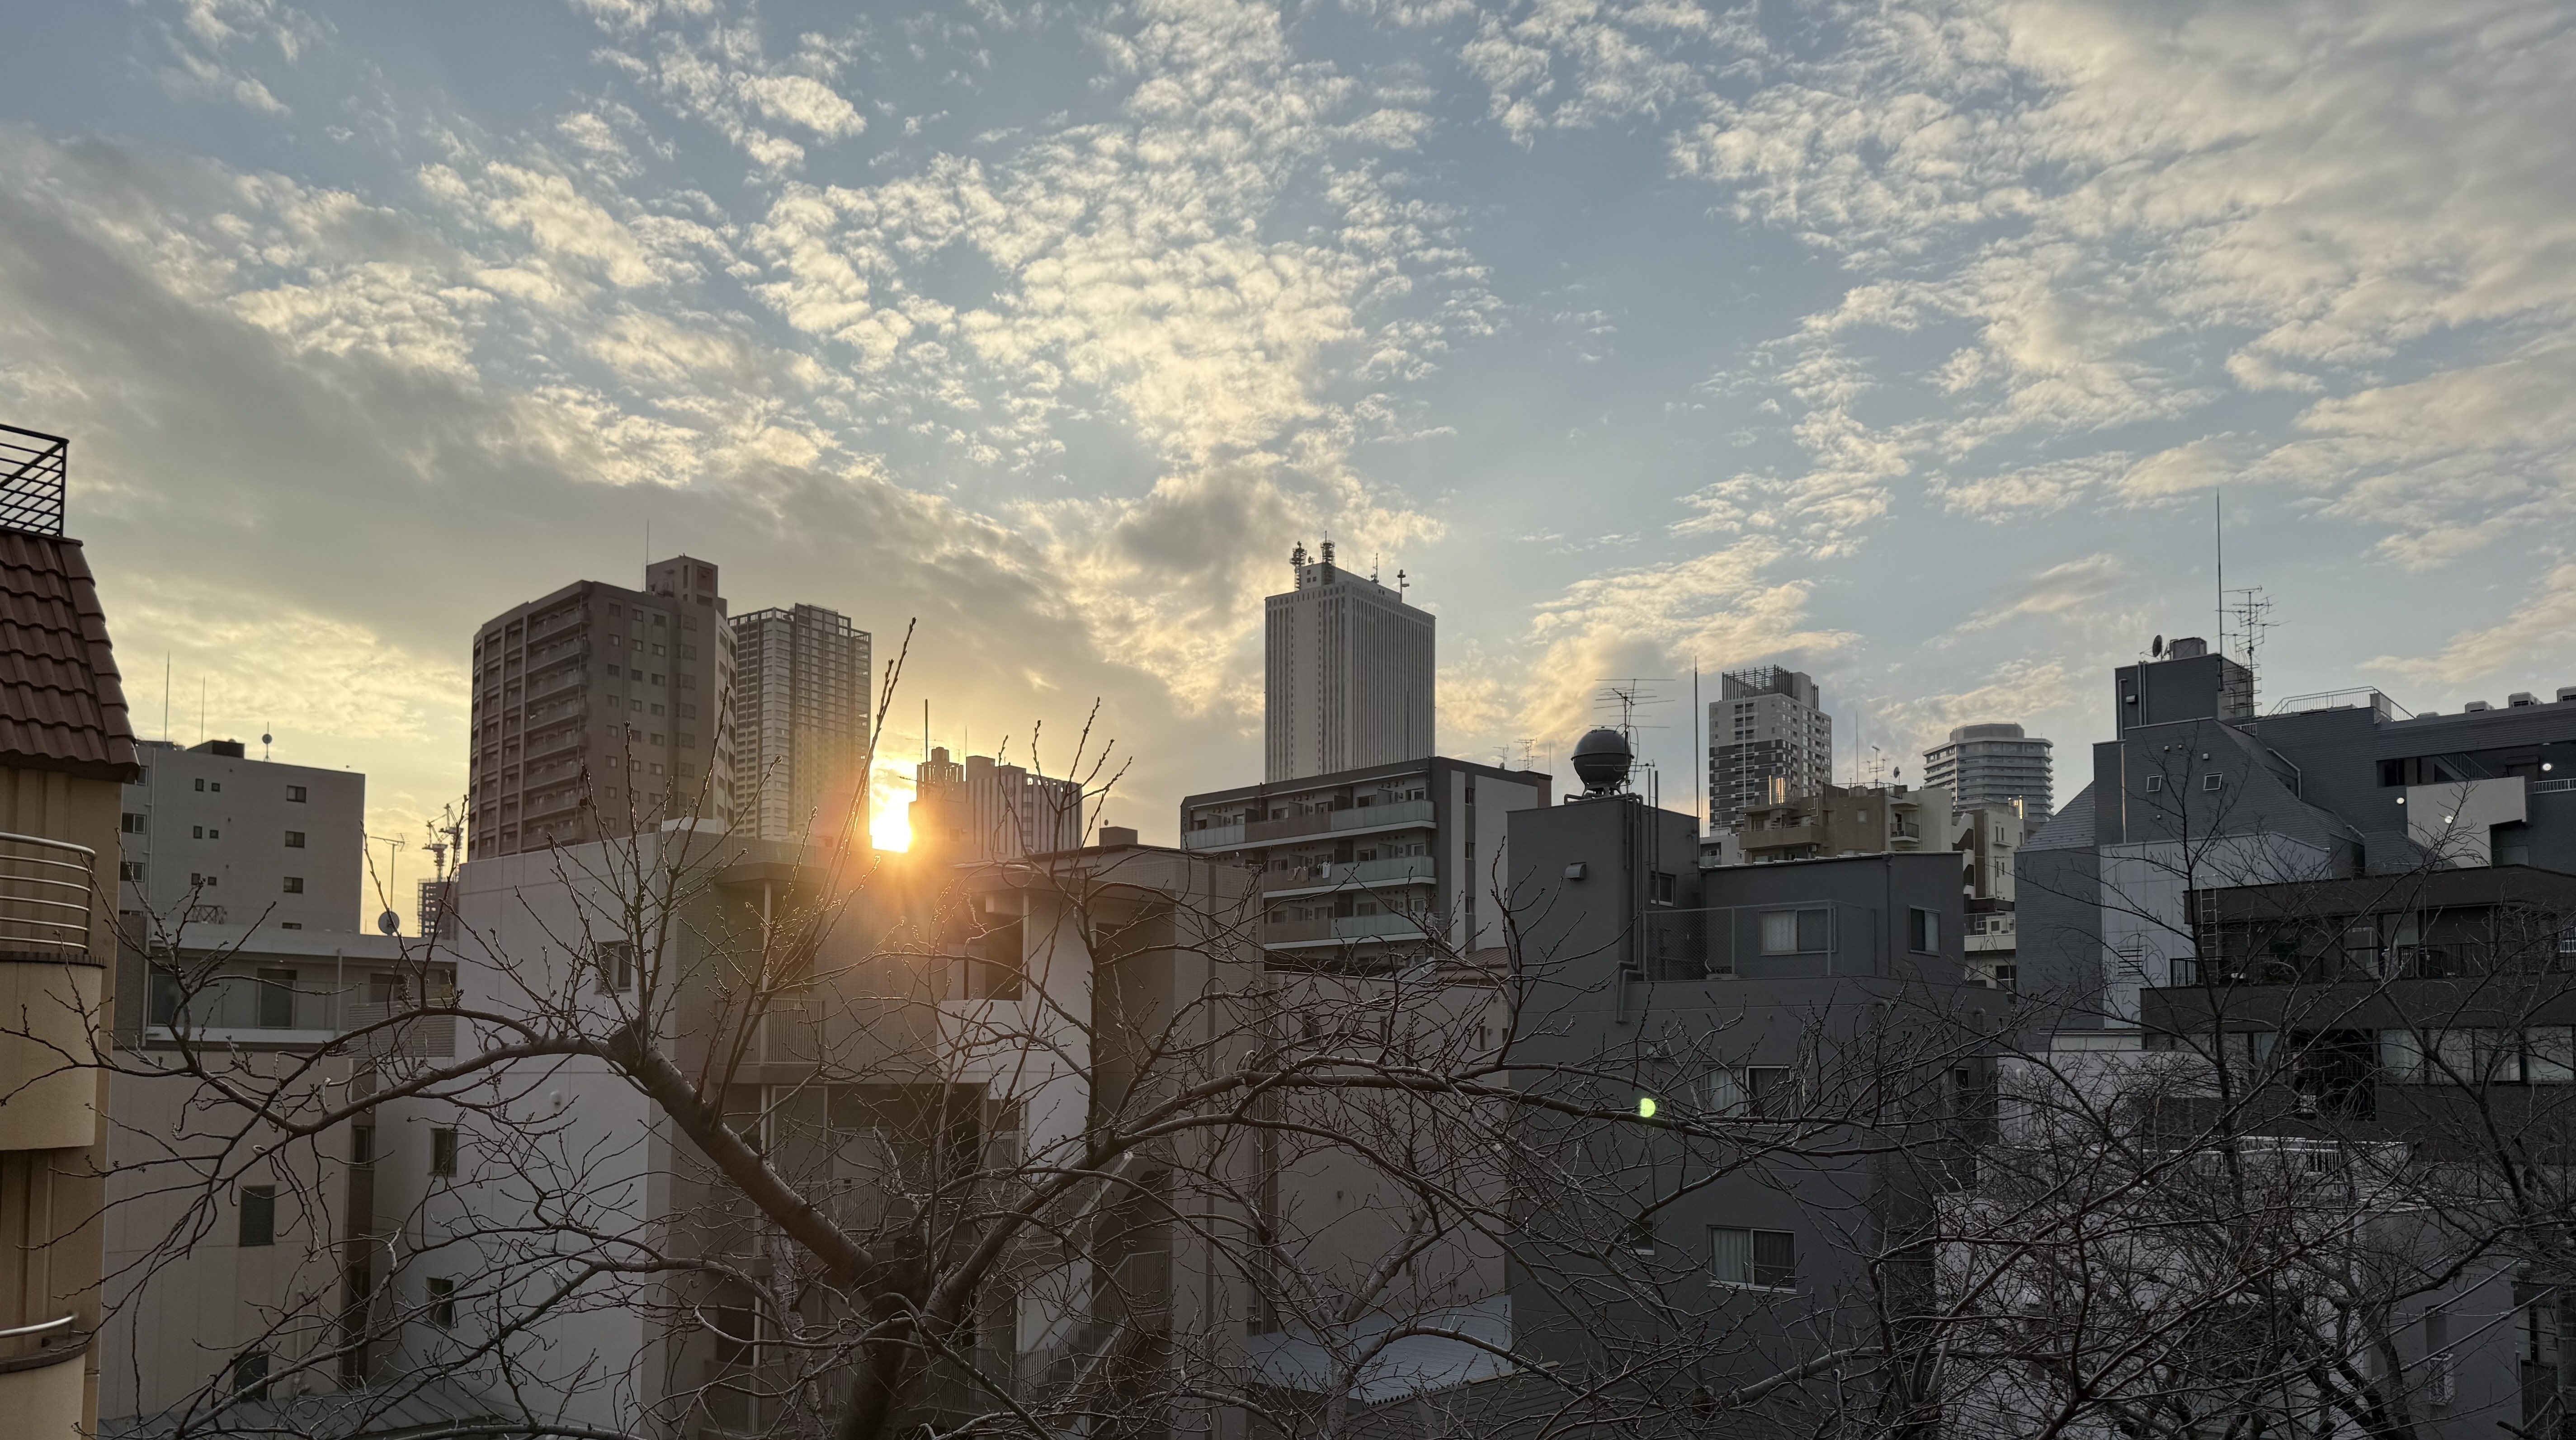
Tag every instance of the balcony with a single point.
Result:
(1341, 930)
(49, 980)
(257, 1012)
(1758, 942)
(1358, 820)
(1347, 875)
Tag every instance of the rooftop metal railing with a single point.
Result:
(34, 471)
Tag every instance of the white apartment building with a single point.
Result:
(1769, 738)
(1993, 765)
(1350, 674)
(214, 837)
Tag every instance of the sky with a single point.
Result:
(1920, 346)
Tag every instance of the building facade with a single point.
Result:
(1352, 670)
(1833, 820)
(600, 711)
(213, 837)
(65, 749)
(1993, 765)
(1363, 867)
(1768, 739)
(801, 698)
(984, 810)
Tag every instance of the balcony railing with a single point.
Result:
(1758, 942)
(1347, 874)
(34, 470)
(1342, 930)
(45, 892)
(236, 1009)
(1358, 818)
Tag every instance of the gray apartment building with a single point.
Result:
(214, 837)
(600, 711)
(1761, 993)
(1351, 674)
(1993, 765)
(801, 710)
(1768, 739)
(1361, 867)
(984, 810)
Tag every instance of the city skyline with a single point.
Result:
(1655, 338)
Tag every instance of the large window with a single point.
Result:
(1923, 931)
(1753, 1259)
(1794, 932)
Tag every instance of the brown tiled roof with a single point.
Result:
(61, 707)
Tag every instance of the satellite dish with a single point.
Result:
(390, 923)
(2158, 649)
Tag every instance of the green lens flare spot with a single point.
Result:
(1645, 1107)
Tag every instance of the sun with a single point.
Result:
(890, 816)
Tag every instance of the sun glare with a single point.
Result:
(890, 818)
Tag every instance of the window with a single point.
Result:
(1660, 887)
(131, 823)
(295, 794)
(616, 964)
(442, 1302)
(1791, 932)
(294, 884)
(201, 783)
(1753, 1259)
(1923, 931)
(442, 1152)
(258, 1215)
(294, 839)
(130, 870)
(250, 1375)
(1725, 1091)
(2155, 783)
(199, 832)
(1771, 1092)
(277, 999)
(2209, 782)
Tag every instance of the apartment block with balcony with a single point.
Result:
(601, 711)
(982, 810)
(65, 749)
(1995, 765)
(1361, 868)
(801, 688)
(1768, 738)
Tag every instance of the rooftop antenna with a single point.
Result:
(1297, 564)
(1372, 567)
(1400, 584)
(165, 697)
(2218, 537)
(265, 739)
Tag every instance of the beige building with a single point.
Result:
(986, 810)
(800, 724)
(1834, 820)
(1769, 739)
(1351, 673)
(65, 747)
(599, 711)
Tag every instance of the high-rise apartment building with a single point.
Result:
(1768, 739)
(1350, 674)
(983, 810)
(1992, 765)
(801, 695)
(601, 711)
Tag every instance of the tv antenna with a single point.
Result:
(1628, 696)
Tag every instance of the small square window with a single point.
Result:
(294, 884)
(295, 794)
(1753, 1259)
(131, 823)
(2155, 783)
(2209, 782)
(294, 839)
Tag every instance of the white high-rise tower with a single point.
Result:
(1350, 674)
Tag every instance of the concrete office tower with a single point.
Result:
(1992, 765)
(1350, 674)
(213, 837)
(65, 747)
(600, 711)
(801, 696)
(1768, 739)
(986, 811)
